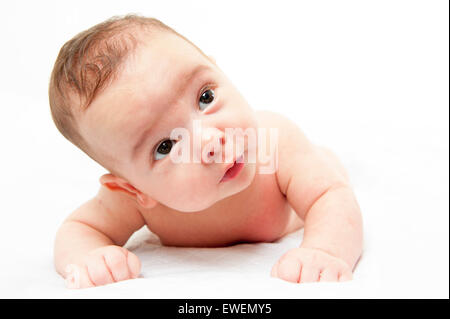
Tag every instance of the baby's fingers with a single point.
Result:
(116, 262)
(310, 273)
(98, 270)
(121, 263)
(328, 275)
(134, 264)
(77, 277)
(335, 274)
(346, 275)
(288, 269)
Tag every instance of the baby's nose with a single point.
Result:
(213, 140)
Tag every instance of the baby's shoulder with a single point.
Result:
(269, 119)
(286, 127)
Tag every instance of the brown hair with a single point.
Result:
(87, 63)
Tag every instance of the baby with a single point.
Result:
(187, 157)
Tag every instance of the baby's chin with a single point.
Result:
(225, 191)
(193, 207)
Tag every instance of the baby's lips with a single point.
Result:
(72, 276)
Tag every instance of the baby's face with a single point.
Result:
(164, 85)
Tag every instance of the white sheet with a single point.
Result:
(381, 103)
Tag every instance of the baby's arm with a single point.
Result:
(318, 190)
(88, 250)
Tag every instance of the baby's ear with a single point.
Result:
(115, 183)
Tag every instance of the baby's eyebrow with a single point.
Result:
(184, 79)
(187, 77)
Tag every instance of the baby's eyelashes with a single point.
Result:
(163, 149)
(206, 98)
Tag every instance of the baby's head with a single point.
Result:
(119, 89)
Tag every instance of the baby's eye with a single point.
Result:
(205, 99)
(163, 149)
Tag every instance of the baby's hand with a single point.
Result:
(102, 266)
(302, 265)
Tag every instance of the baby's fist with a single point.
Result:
(302, 265)
(103, 266)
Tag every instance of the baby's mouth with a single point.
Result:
(234, 170)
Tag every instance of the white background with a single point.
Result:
(368, 79)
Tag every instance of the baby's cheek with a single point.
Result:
(195, 192)
(185, 187)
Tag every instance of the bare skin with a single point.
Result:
(186, 204)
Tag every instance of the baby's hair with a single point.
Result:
(87, 63)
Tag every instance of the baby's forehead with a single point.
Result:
(160, 68)
(150, 81)
(165, 51)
